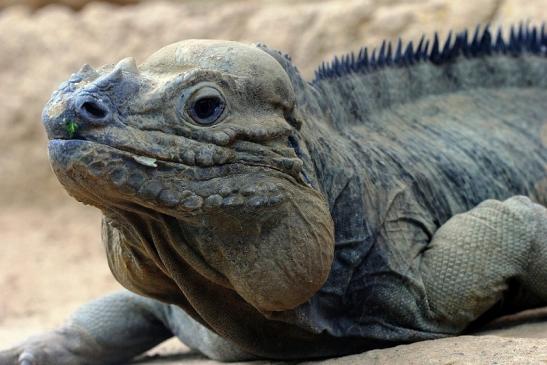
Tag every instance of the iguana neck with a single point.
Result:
(354, 98)
(370, 81)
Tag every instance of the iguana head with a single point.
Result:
(194, 158)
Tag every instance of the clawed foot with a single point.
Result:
(51, 348)
(26, 358)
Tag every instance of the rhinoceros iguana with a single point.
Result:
(398, 197)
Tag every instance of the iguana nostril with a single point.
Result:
(92, 110)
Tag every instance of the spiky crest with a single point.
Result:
(522, 39)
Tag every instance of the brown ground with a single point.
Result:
(51, 258)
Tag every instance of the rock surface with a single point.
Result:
(51, 259)
(460, 350)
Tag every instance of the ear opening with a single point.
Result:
(292, 117)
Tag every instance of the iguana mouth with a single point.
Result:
(149, 159)
(146, 159)
(103, 175)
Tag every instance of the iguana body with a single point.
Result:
(304, 220)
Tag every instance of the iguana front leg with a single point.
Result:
(109, 330)
(467, 265)
(113, 330)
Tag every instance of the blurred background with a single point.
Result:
(51, 257)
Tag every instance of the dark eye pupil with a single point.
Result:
(207, 107)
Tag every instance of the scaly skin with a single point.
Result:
(256, 215)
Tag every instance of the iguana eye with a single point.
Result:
(205, 106)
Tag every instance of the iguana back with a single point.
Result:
(456, 125)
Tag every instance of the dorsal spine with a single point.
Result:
(522, 39)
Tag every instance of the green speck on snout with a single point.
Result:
(71, 128)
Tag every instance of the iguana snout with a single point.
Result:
(199, 133)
